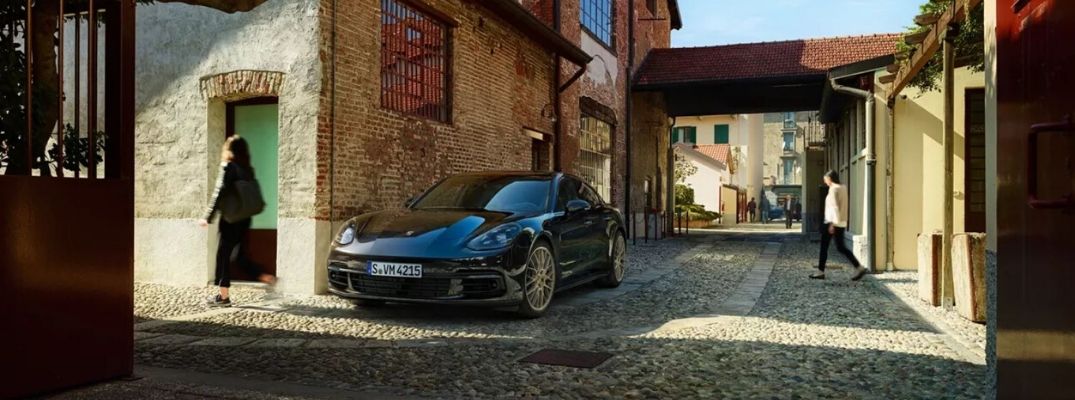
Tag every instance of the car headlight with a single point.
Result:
(496, 238)
(346, 235)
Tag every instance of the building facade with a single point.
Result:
(359, 107)
(347, 111)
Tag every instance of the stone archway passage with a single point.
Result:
(242, 85)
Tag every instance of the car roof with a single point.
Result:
(520, 174)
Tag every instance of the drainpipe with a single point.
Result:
(890, 204)
(871, 162)
(630, 113)
(558, 125)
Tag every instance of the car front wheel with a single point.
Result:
(539, 282)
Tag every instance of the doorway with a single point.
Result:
(257, 121)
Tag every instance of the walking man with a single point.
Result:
(834, 227)
(752, 208)
(787, 211)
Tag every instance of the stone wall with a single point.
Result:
(376, 158)
(179, 127)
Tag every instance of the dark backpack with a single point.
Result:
(244, 199)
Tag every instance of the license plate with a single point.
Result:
(376, 268)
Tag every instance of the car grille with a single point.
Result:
(429, 287)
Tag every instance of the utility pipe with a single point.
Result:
(557, 125)
(628, 217)
(871, 162)
(947, 283)
(890, 203)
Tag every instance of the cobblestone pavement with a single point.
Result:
(716, 315)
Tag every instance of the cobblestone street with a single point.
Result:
(718, 314)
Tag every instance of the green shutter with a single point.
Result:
(692, 133)
(720, 134)
(675, 134)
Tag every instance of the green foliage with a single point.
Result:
(969, 45)
(12, 80)
(683, 167)
(76, 151)
(684, 194)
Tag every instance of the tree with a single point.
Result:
(13, 68)
(683, 167)
(969, 45)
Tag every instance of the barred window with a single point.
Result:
(595, 157)
(596, 17)
(414, 62)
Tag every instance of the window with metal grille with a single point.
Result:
(595, 159)
(596, 17)
(414, 62)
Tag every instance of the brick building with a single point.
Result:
(347, 111)
(618, 34)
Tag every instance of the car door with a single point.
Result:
(597, 220)
(571, 228)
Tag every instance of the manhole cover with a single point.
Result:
(567, 358)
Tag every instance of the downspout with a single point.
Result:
(630, 115)
(670, 173)
(871, 162)
(332, 128)
(890, 204)
(558, 125)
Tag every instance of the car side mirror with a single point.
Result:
(577, 205)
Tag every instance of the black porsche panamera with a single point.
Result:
(503, 239)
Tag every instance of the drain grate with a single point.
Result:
(567, 358)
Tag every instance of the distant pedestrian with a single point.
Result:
(763, 209)
(787, 211)
(752, 208)
(798, 211)
(834, 227)
(236, 198)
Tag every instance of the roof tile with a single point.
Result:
(761, 60)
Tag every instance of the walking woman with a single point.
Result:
(835, 225)
(234, 223)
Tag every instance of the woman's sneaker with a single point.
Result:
(859, 272)
(216, 301)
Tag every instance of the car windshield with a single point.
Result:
(502, 194)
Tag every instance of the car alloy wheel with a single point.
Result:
(540, 280)
(619, 266)
(617, 262)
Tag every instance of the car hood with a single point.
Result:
(421, 233)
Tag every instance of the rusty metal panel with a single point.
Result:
(67, 255)
(1035, 278)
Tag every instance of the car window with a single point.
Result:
(569, 190)
(588, 194)
(503, 194)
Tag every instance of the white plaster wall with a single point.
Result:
(603, 69)
(755, 131)
(706, 182)
(704, 126)
(178, 133)
(301, 259)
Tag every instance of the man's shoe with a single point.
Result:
(859, 272)
(216, 301)
(817, 275)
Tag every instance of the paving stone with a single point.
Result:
(145, 335)
(224, 341)
(278, 343)
(336, 343)
(170, 340)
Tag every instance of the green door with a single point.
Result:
(259, 125)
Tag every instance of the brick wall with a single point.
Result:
(501, 83)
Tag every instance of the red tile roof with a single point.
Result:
(761, 60)
(719, 152)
